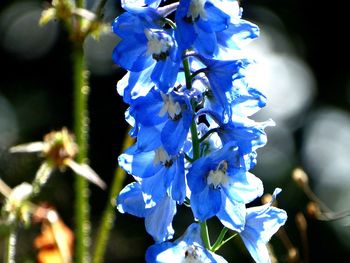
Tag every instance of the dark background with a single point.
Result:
(36, 97)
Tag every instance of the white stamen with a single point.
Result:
(197, 10)
(158, 42)
(169, 106)
(192, 255)
(219, 176)
(161, 156)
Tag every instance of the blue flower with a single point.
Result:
(188, 248)
(261, 223)
(144, 43)
(230, 93)
(158, 172)
(248, 135)
(162, 119)
(158, 219)
(214, 28)
(220, 186)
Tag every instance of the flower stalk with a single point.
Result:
(10, 251)
(81, 130)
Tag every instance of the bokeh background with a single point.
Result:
(303, 56)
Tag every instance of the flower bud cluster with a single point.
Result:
(190, 103)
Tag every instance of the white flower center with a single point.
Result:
(158, 43)
(192, 255)
(170, 107)
(197, 10)
(219, 176)
(161, 156)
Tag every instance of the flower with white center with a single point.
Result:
(221, 187)
(187, 249)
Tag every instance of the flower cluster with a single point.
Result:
(190, 106)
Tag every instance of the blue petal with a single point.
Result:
(197, 174)
(146, 109)
(178, 184)
(261, 223)
(159, 221)
(238, 35)
(130, 200)
(154, 188)
(206, 204)
(137, 163)
(206, 44)
(232, 214)
(126, 23)
(135, 84)
(265, 220)
(216, 21)
(243, 186)
(154, 251)
(148, 138)
(174, 133)
(165, 73)
(185, 33)
(131, 54)
(257, 249)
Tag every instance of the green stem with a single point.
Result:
(195, 144)
(41, 177)
(207, 134)
(170, 23)
(226, 240)
(188, 158)
(194, 133)
(187, 71)
(10, 251)
(109, 213)
(81, 128)
(218, 242)
(80, 3)
(194, 74)
(195, 141)
(205, 234)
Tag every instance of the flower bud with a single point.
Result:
(300, 177)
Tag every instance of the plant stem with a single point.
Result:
(80, 3)
(218, 242)
(99, 8)
(10, 250)
(195, 144)
(41, 177)
(205, 234)
(195, 141)
(81, 129)
(187, 71)
(109, 213)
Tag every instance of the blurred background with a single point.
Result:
(303, 56)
